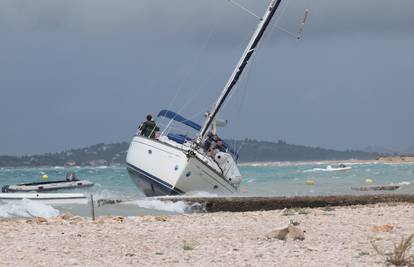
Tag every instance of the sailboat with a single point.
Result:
(178, 163)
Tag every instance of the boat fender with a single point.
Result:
(5, 189)
(310, 182)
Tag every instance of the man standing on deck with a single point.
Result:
(149, 128)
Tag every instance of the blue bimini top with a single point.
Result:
(177, 117)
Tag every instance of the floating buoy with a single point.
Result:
(45, 176)
(369, 181)
(310, 182)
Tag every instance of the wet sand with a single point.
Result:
(338, 236)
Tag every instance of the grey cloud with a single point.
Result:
(78, 72)
(182, 16)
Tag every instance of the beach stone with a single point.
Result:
(280, 234)
(67, 216)
(161, 218)
(382, 228)
(75, 219)
(118, 219)
(296, 233)
(40, 220)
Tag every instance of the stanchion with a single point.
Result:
(92, 209)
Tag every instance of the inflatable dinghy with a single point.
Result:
(71, 182)
(46, 186)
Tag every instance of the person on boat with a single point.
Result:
(209, 140)
(149, 128)
(71, 177)
(342, 165)
(216, 145)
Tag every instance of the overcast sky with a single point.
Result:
(80, 72)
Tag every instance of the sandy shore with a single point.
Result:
(333, 237)
(396, 159)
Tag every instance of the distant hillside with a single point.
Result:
(379, 149)
(250, 151)
(96, 155)
(409, 150)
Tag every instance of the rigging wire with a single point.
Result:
(246, 76)
(189, 72)
(244, 9)
(248, 69)
(200, 86)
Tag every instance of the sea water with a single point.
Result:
(260, 179)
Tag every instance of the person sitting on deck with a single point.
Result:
(207, 143)
(149, 128)
(216, 144)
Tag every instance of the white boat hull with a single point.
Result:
(161, 169)
(46, 198)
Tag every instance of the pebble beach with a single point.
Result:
(337, 236)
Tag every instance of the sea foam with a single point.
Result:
(155, 204)
(26, 208)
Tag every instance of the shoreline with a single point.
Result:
(408, 160)
(339, 236)
(386, 160)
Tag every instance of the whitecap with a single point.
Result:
(404, 183)
(329, 168)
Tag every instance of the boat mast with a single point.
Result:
(254, 41)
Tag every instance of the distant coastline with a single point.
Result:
(396, 159)
(250, 151)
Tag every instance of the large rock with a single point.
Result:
(296, 233)
(67, 216)
(291, 232)
(280, 234)
(382, 228)
(40, 220)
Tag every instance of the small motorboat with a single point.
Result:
(71, 182)
(340, 168)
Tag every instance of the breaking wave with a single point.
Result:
(404, 183)
(169, 206)
(26, 209)
(274, 164)
(327, 169)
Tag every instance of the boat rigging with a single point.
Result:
(177, 163)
